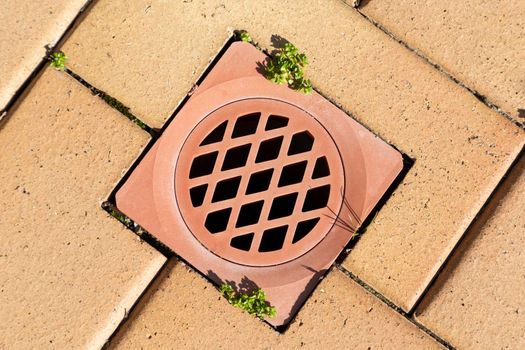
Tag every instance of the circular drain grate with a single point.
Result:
(258, 182)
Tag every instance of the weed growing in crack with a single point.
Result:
(245, 36)
(122, 218)
(288, 67)
(254, 303)
(113, 102)
(119, 106)
(58, 60)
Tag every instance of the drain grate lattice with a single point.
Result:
(256, 180)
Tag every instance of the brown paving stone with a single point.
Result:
(479, 300)
(69, 270)
(184, 309)
(479, 42)
(461, 147)
(26, 27)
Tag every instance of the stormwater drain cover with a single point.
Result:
(255, 182)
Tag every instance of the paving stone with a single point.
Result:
(180, 51)
(184, 309)
(70, 271)
(341, 314)
(461, 147)
(478, 42)
(481, 288)
(26, 27)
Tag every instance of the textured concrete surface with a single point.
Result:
(461, 147)
(184, 309)
(70, 272)
(479, 42)
(479, 300)
(26, 27)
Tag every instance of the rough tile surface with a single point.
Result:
(70, 271)
(460, 146)
(118, 57)
(479, 300)
(184, 309)
(26, 27)
(479, 42)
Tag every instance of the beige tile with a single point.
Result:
(151, 53)
(184, 309)
(479, 42)
(26, 27)
(70, 271)
(461, 147)
(478, 302)
(341, 315)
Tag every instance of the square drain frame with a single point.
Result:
(257, 185)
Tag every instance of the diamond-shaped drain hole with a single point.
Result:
(301, 142)
(203, 165)
(236, 157)
(292, 174)
(218, 220)
(246, 125)
(282, 206)
(259, 181)
(273, 239)
(249, 214)
(269, 149)
(226, 189)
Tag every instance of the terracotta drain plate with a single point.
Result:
(251, 181)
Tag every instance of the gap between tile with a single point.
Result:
(394, 307)
(475, 221)
(114, 103)
(483, 99)
(45, 60)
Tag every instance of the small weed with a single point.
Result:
(254, 303)
(288, 67)
(113, 102)
(121, 217)
(58, 60)
(356, 234)
(245, 36)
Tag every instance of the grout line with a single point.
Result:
(396, 308)
(492, 196)
(371, 290)
(44, 61)
(483, 99)
(144, 235)
(113, 102)
(137, 301)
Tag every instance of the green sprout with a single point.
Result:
(121, 217)
(288, 67)
(245, 36)
(254, 303)
(58, 60)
